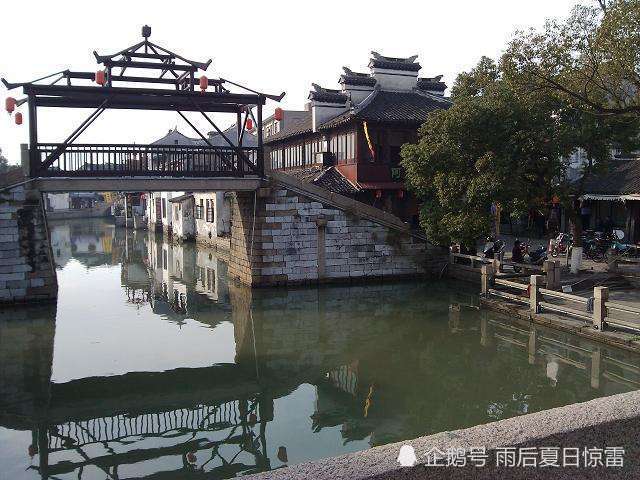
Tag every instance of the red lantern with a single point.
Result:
(204, 82)
(10, 104)
(100, 77)
(191, 457)
(378, 193)
(400, 194)
(278, 115)
(18, 118)
(249, 124)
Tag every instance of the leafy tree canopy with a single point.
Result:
(504, 140)
(592, 59)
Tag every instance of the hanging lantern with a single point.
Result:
(18, 118)
(10, 104)
(278, 114)
(100, 77)
(378, 193)
(249, 124)
(400, 194)
(191, 457)
(204, 82)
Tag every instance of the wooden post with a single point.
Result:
(549, 268)
(260, 159)
(596, 356)
(534, 293)
(600, 296)
(33, 137)
(487, 278)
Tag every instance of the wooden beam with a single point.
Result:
(149, 65)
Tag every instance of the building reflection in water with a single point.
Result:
(388, 362)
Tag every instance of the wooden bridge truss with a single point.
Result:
(171, 88)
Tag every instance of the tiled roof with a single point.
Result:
(404, 64)
(623, 178)
(298, 126)
(434, 83)
(328, 95)
(397, 107)
(326, 177)
(350, 77)
(12, 177)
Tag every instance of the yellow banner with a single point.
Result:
(366, 134)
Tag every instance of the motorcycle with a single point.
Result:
(493, 248)
(561, 244)
(536, 256)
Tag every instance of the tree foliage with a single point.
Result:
(592, 59)
(507, 139)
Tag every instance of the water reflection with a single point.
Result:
(213, 378)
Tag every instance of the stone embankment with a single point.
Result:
(27, 272)
(605, 422)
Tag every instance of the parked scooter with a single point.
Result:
(493, 248)
(536, 256)
(561, 244)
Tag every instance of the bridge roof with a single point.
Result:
(73, 96)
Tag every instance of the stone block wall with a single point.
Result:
(27, 270)
(299, 239)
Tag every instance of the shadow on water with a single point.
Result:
(313, 372)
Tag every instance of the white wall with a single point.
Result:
(58, 201)
(208, 231)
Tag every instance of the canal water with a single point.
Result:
(153, 365)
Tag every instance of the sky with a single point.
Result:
(270, 46)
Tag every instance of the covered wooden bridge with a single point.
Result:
(168, 82)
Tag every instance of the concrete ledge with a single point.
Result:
(605, 422)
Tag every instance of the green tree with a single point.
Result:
(591, 59)
(508, 136)
(495, 144)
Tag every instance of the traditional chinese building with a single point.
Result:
(348, 140)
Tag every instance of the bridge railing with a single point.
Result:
(99, 160)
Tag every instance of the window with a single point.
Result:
(210, 211)
(200, 210)
(164, 208)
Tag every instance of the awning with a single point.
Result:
(181, 198)
(611, 198)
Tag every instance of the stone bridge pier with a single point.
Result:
(289, 232)
(27, 268)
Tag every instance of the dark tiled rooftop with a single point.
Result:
(320, 94)
(623, 178)
(326, 177)
(398, 107)
(432, 84)
(405, 64)
(12, 177)
(350, 77)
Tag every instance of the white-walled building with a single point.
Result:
(203, 216)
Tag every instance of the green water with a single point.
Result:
(153, 365)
